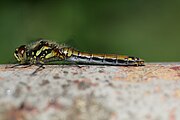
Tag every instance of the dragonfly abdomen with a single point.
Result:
(106, 59)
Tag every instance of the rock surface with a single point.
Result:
(70, 92)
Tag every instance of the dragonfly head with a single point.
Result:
(20, 54)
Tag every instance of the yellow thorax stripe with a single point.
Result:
(42, 49)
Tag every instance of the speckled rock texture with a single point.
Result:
(71, 92)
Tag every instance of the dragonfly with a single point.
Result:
(44, 51)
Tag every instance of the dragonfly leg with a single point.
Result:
(19, 65)
(40, 67)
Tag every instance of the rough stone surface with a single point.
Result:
(70, 92)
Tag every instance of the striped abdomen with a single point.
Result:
(107, 59)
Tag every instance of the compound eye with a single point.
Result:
(21, 49)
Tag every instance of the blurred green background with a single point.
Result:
(147, 29)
